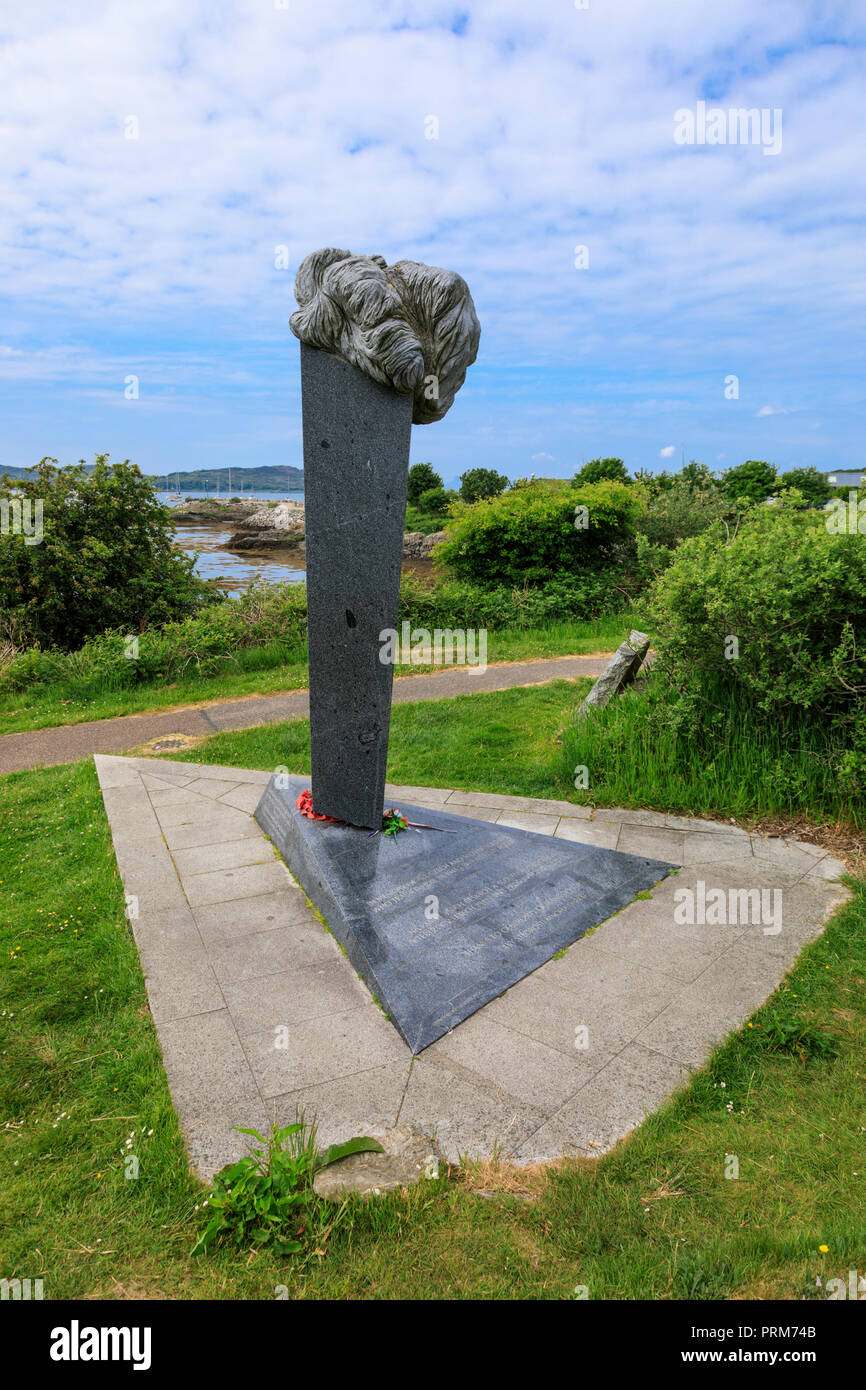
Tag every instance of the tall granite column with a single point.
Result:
(383, 347)
(356, 461)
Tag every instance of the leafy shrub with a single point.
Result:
(792, 594)
(106, 558)
(416, 520)
(812, 484)
(693, 474)
(269, 618)
(436, 501)
(267, 626)
(774, 724)
(681, 509)
(843, 493)
(529, 535)
(456, 603)
(552, 484)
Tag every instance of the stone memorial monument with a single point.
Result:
(437, 921)
(382, 348)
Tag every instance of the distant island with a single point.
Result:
(232, 482)
(269, 478)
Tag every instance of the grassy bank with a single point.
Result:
(68, 696)
(656, 1219)
(745, 768)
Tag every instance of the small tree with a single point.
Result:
(476, 483)
(698, 475)
(601, 470)
(810, 482)
(422, 477)
(754, 480)
(105, 560)
(681, 510)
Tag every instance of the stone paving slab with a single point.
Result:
(258, 1012)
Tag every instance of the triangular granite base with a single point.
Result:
(507, 900)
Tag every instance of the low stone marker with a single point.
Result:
(619, 672)
(408, 1157)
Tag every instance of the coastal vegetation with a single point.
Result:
(106, 616)
(103, 559)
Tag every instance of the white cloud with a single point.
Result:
(249, 116)
(667, 452)
(261, 127)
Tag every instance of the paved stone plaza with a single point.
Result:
(232, 953)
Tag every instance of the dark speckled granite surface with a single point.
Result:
(439, 924)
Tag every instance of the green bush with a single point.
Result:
(436, 501)
(417, 520)
(601, 470)
(476, 483)
(753, 480)
(422, 476)
(808, 481)
(456, 603)
(681, 509)
(268, 621)
(266, 627)
(844, 492)
(106, 558)
(774, 612)
(533, 534)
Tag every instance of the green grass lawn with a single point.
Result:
(504, 741)
(656, 1219)
(263, 673)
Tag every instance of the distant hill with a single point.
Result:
(265, 479)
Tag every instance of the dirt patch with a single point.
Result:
(165, 743)
(421, 568)
(841, 841)
(490, 1177)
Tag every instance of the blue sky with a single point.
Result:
(258, 126)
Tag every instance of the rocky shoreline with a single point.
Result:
(278, 526)
(203, 511)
